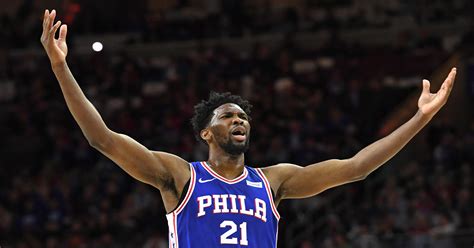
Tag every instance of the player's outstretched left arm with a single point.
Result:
(292, 181)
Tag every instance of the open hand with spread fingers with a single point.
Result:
(430, 103)
(55, 48)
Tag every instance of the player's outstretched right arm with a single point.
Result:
(157, 169)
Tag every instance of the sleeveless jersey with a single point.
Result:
(217, 212)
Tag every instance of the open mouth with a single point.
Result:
(239, 134)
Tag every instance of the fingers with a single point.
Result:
(448, 84)
(449, 81)
(426, 86)
(62, 33)
(48, 19)
(45, 23)
(55, 28)
(45, 18)
(451, 78)
(49, 30)
(51, 18)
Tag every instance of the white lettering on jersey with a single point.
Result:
(243, 209)
(203, 202)
(220, 201)
(220, 204)
(260, 209)
(233, 202)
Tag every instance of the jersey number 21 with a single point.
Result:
(227, 239)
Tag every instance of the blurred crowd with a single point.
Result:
(309, 105)
(172, 20)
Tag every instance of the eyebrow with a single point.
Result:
(238, 113)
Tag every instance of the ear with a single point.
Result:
(205, 134)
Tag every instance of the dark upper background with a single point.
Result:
(326, 78)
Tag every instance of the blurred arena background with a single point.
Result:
(325, 77)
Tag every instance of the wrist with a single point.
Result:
(423, 117)
(57, 65)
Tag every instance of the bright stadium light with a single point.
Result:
(97, 46)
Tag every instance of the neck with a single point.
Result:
(228, 166)
(230, 161)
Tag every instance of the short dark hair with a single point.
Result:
(203, 111)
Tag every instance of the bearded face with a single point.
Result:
(235, 145)
(230, 129)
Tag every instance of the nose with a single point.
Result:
(237, 121)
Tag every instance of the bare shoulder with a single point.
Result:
(177, 169)
(173, 163)
(279, 171)
(277, 175)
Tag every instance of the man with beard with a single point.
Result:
(222, 201)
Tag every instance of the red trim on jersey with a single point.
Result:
(175, 230)
(181, 206)
(269, 192)
(213, 173)
(190, 191)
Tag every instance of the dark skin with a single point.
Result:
(225, 119)
(169, 173)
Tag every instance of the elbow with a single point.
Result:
(98, 144)
(94, 143)
(361, 177)
(359, 173)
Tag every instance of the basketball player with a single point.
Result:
(221, 202)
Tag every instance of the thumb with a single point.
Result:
(426, 86)
(62, 33)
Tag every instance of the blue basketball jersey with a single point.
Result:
(217, 212)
